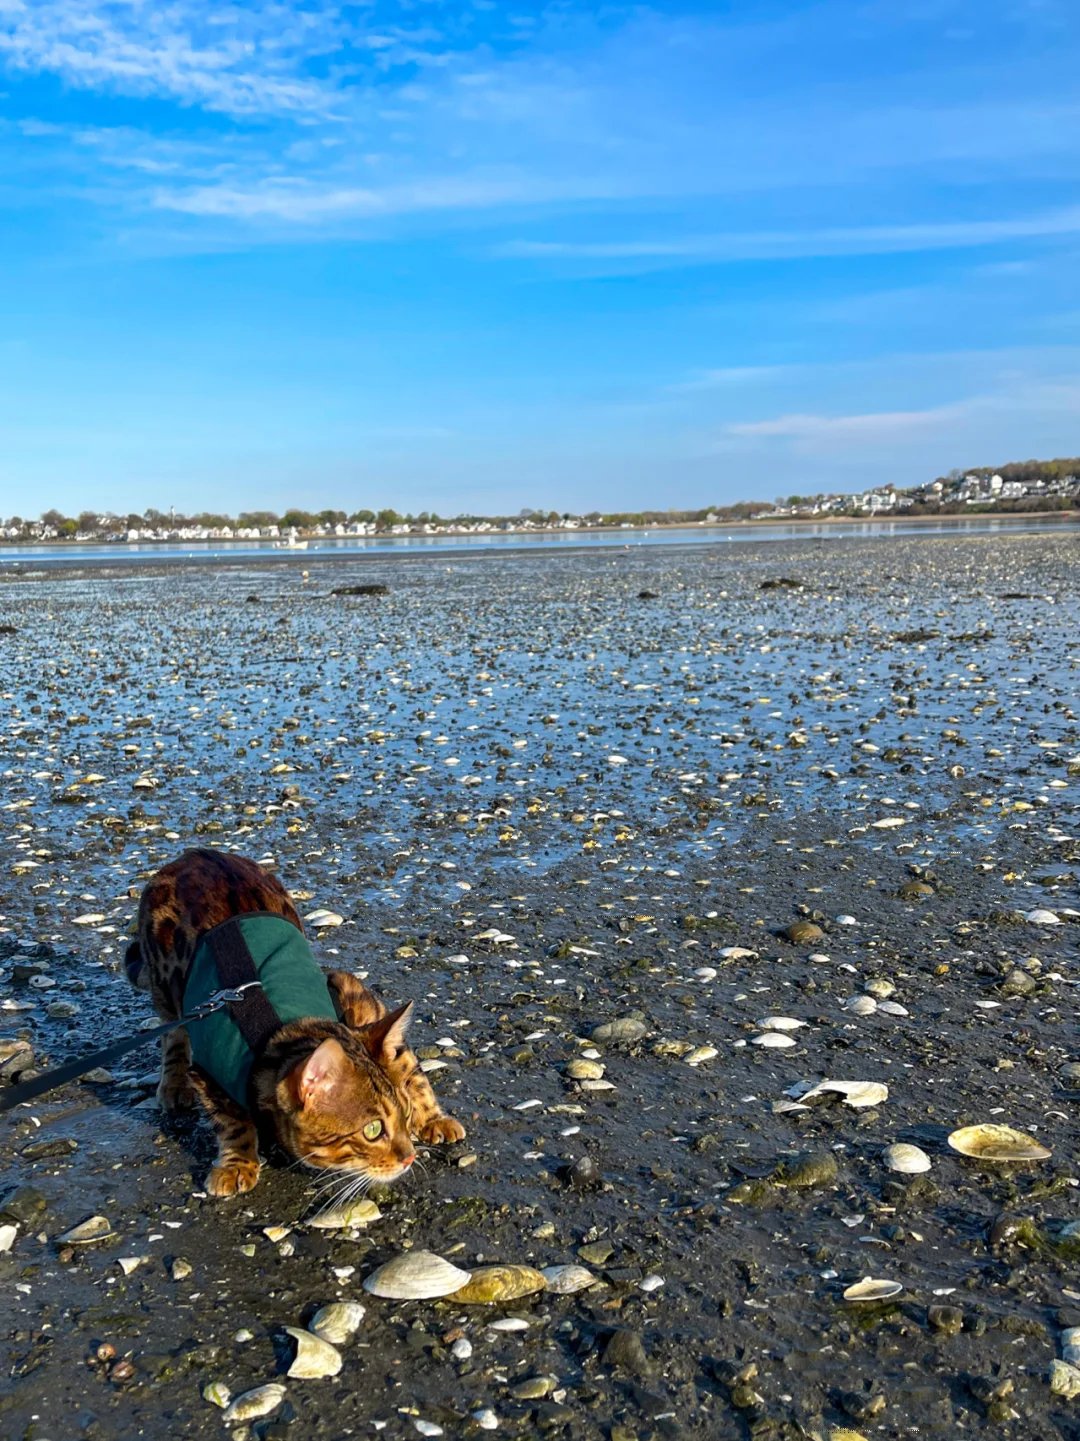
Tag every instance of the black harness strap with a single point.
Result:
(254, 1016)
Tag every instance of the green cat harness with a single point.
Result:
(269, 962)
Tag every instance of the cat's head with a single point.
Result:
(337, 1108)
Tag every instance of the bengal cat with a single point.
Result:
(344, 1094)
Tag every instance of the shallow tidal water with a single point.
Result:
(638, 769)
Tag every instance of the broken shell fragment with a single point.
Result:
(990, 1142)
(909, 1160)
(94, 1228)
(869, 1289)
(855, 1093)
(567, 1280)
(314, 1357)
(351, 1213)
(490, 1284)
(337, 1322)
(416, 1276)
(253, 1404)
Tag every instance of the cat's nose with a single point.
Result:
(406, 1161)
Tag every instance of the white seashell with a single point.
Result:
(352, 1213)
(314, 1357)
(846, 921)
(887, 823)
(416, 1276)
(820, 959)
(861, 1005)
(217, 1393)
(776, 1040)
(495, 936)
(337, 1322)
(486, 1419)
(434, 1064)
(651, 1283)
(252, 1404)
(461, 1350)
(567, 1280)
(580, 1069)
(700, 1054)
(94, 1228)
(879, 988)
(597, 1085)
(737, 953)
(1040, 917)
(855, 1093)
(706, 973)
(780, 1023)
(893, 1008)
(427, 1428)
(509, 1323)
(93, 918)
(908, 1159)
(870, 1290)
(7, 1238)
(323, 920)
(990, 1142)
(128, 1264)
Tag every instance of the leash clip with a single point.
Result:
(227, 997)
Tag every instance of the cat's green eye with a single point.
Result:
(373, 1130)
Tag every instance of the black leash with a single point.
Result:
(11, 1096)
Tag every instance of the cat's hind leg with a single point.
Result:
(175, 1091)
(237, 1166)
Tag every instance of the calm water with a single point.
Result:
(71, 554)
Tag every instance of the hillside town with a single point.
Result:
(1018, 487)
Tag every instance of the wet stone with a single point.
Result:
(946, 1320)
(625, 1351)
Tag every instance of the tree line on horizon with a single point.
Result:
(97, 523)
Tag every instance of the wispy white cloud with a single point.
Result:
(860, 428)
(821, 433)
(797, 244)
(293, 200)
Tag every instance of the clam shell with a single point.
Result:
(861, 1006)
(580, 1069)
(990, 1142)
(94, 1228)
(780, 1023)
(868, 1289)
(490, 1284)
(314, 1357)
(336, 1322)
(908, 1159)
(566, 1280)
(352, 1213)
(416, 1276)
(700, 1054)
(252, 1404)
(855, 1093)
(775, 1040)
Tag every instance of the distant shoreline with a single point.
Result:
(764, 522)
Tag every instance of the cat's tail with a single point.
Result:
(135, 967)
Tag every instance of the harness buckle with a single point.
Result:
(227, 997)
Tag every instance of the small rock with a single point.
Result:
(626, 1352)
(1064, 1379)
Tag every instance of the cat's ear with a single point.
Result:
(320, 1075)
(386, 1036)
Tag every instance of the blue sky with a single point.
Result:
(481, 255)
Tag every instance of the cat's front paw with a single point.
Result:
(442, 1129)
(232, 1178)
(176, 1094)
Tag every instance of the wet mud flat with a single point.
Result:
(544, 795)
